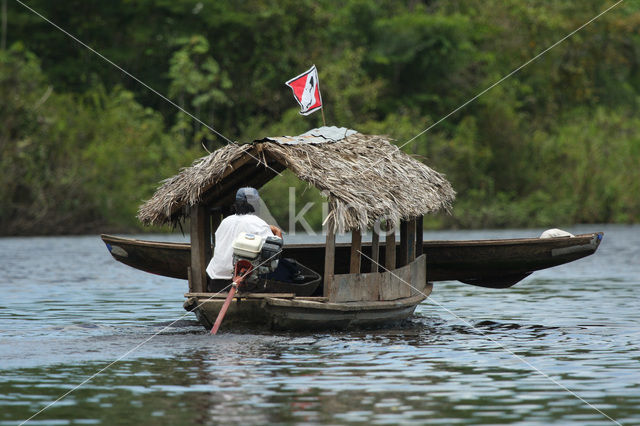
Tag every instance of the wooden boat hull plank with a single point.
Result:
(400, 283)
(165, 259)
(293, 314)
(241, 312)
(476, 262)
(303, 319)
(501, 281)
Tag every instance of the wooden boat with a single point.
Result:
(367, 181)
(342, 310)
(486, 263)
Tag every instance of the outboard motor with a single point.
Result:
(253, 256)
(263, 253)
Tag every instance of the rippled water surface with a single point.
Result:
(563, 347)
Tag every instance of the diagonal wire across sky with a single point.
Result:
(151, 89)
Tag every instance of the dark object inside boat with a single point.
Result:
(289, 277)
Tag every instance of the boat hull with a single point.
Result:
(485, 263)
(350, 301)
(277, 313)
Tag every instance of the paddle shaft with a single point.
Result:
(242, 268)
(223, 311)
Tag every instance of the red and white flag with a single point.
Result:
(306, 90)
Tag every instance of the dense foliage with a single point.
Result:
(82, 143)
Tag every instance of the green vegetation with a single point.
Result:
(82, 144)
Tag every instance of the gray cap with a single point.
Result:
(250, 196)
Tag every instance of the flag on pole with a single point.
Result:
(306, 90)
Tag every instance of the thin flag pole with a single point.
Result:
(324, 123)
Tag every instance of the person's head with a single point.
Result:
(247, 201)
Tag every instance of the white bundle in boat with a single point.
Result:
(555, 233)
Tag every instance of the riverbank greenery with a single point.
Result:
(557, 143)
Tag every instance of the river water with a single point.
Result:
(561, 347)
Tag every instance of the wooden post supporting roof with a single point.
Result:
(403, 255)
(419, 235)
(390, 247)
(411, 240)
(356, 246)
(200, 239)
(375, 248)
(329, 260)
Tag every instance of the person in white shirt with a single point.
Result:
(220, 269)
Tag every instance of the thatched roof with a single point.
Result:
(364, 178)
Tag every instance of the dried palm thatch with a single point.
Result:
(363, 176)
